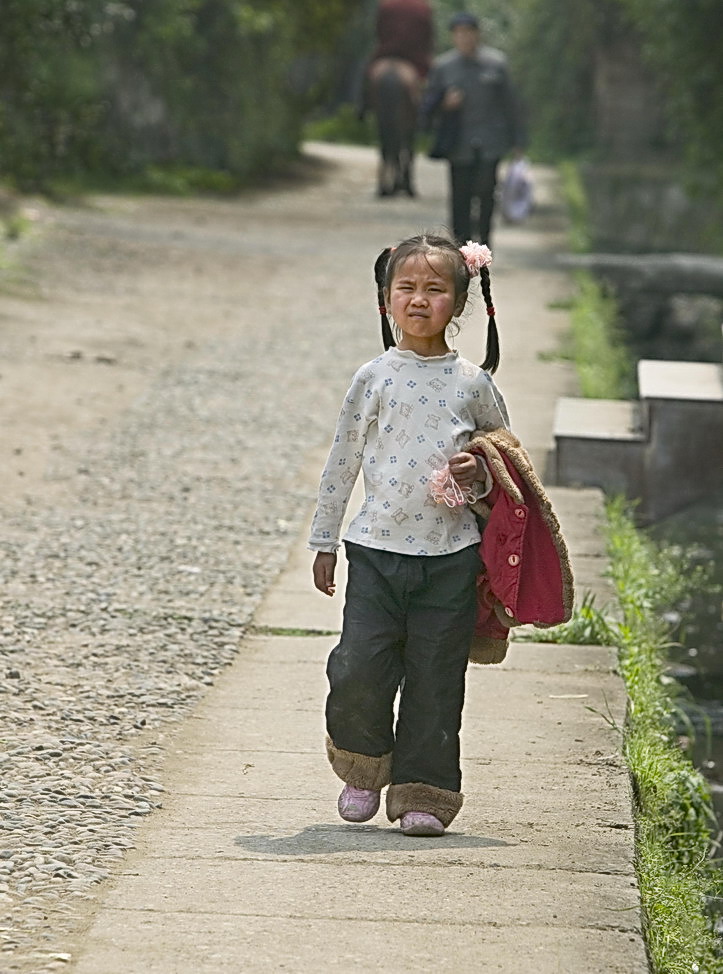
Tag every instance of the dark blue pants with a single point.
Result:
(408, 622)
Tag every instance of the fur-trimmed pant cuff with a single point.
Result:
(359, 770)
(418, 797)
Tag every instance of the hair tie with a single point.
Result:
(476, 256)
(382, 309)
(490, 311)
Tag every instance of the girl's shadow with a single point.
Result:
(324, 840)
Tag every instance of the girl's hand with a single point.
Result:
(324, 566)
(463, 467)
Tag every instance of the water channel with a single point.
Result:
(697, 657)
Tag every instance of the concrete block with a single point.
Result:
(693, 381)
(604, 419)
(664, 451)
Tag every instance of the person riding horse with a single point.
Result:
(394, 79)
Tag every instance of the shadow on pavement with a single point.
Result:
(328, 839)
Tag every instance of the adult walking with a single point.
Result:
(394, 81)
(471, 99)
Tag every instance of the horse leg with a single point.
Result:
(407, 173)
(406, 152)
(408, 112)
(386, 171)
(388, 89)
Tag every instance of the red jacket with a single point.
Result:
(405, 30)
(527, 577)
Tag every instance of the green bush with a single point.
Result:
(129, 86)
(344, 126)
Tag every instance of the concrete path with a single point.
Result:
(248, 868)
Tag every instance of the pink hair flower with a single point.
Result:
(476, 256)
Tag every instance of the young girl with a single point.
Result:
(412, 549)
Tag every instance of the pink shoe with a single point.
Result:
(421, 823)
(358, 804)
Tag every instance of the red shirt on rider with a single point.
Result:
(405, 30)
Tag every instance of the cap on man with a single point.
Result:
(463, 19)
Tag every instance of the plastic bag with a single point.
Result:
(516, 195)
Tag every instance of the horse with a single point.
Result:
(394, 87)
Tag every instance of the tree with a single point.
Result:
(117, 85)
(681, 43)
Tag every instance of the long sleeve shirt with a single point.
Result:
(403, 417)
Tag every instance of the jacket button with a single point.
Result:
(509, 611)
(513, 560)
(519, 512)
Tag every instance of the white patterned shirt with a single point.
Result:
(403, 417)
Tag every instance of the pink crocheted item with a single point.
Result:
(445, 489)
(476, 256)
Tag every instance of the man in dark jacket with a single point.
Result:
(470, 87)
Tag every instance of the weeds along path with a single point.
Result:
(165, 367)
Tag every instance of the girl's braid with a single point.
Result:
(380, 271)
(492, 356)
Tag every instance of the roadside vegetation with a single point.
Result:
(172, 91)
(551, 43)
(342, 126)
(681, 886)
(184, 88)
(677, 835)
(596, 343)
(604, 366)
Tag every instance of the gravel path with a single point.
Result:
(165, 367)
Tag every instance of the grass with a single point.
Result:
(674, 817)
(171, 180)
(595, 344)
(588, 626)
(14, 222)
(575, 196)
(604, 366)
(344, 126)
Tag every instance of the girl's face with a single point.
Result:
(422, 301)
